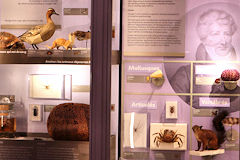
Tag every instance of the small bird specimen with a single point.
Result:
(40, 33)
(63, 42)
(81, 35)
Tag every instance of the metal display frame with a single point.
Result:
(100, 89)
(100, 94)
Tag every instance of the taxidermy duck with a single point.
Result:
(40, 33)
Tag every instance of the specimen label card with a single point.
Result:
(214, 102)
(136, 77)
(27, 13)
(153, 28)
(143, 104)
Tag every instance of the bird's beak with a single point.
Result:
(55, 13)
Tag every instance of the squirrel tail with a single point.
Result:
(218, 125)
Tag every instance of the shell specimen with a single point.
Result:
(10, 41)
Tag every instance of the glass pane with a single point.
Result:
(115, 81)
(180, 80)
(45, 86)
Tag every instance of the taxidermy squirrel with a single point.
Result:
(63, 42)
(208, 138)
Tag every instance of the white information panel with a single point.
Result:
(154, 28)
(25, 13)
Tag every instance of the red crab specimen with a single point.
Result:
(168, 136)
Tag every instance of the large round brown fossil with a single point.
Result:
(10, 41)
(69, 121)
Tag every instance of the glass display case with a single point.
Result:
(49, 80)
(180, 80)
(8, 119)
(68, 92)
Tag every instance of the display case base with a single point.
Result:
(207, 152)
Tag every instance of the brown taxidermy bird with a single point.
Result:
(40, 33)
(63, 42)
(211, 140)
(81, 35)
